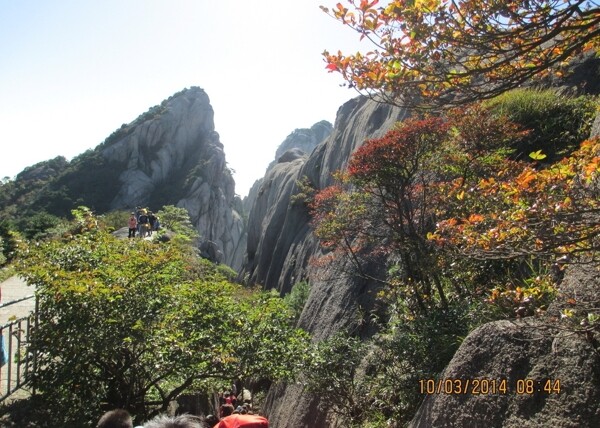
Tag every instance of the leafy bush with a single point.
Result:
(296, 299)
(331, 374)
(37, 225)
(177, 220)
(558, 123)
(408, 350)
(133, 324)
(115, 220)
(375, 382)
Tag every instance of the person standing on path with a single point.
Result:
(132, 224)
(143, 224)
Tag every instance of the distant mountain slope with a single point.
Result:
(170, 155)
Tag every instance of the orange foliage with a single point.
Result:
(442, 52)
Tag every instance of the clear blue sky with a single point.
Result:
(72, 71)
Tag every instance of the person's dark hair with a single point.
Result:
(118, 418)
(212, 420)
(181, 421)
(226, 410)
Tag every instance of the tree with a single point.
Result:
(443, 52)
(133, 324)
(394, 193)
(177, 219)
(262, 344)
(545, 212)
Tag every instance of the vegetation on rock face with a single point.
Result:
(557, 124)
(439, 52)
(177, 220)
(297, 297)
(467, 232)
(54, 188)
(133, 324)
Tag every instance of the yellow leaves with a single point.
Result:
(567, 313)
(518, 216)
(537, 155)
(426, 5)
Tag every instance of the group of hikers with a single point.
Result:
(230, 404)
(235, 411)
(143, 222)
(120, 418)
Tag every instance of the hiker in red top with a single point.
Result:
(243, 421)
(132, 224)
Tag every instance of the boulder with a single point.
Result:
(550, 376)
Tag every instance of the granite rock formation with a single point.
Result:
(302, 140)
(172, 155)
(281, 245)
(525, 353)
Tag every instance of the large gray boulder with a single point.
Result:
(525, 353)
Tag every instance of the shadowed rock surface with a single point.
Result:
(521, 350)
(281, 246)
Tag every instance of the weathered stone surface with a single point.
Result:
(303, 139)
(281, 246)
(518, 351)
(173, 156)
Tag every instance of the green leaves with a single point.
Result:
(127, 323)
(537, 155)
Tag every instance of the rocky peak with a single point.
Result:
(172, 155)
(300, 142)
(305, 139)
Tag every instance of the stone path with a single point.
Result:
(15, 288)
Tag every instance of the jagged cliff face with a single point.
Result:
(281, 245)
(172, 155)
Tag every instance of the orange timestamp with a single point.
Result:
(485, 386)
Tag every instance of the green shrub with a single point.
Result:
(297, 297)
(115, 220)
(38, 225)
(558, 122)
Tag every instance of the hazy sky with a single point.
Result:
(72, 71)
